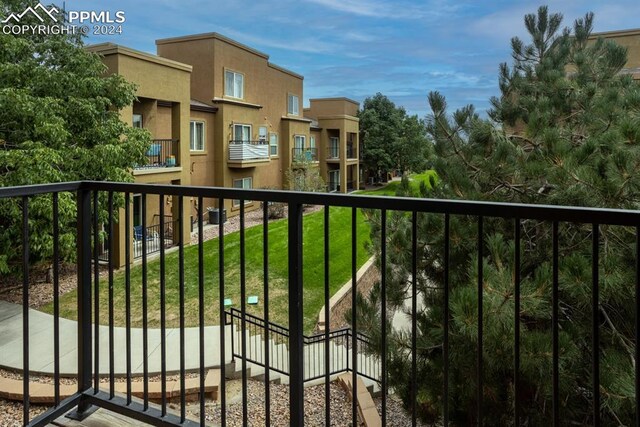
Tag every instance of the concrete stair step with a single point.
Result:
(314, 360)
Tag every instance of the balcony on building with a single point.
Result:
(352, 151)
(333, 149)
(246, 153)
(352, 146)
(304, 155)
(297, 358)
(162, 153)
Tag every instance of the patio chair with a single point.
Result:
(153, 153)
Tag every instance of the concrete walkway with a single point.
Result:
(41, 345)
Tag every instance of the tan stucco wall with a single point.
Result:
(199, 54)
(627, 38)
(266, 90)
(202, 164)
(156, 79)
(164, 124)
(331, 106)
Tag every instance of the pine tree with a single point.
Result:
(565, 131)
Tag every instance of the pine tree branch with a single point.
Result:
(455, 147)
(580, 181)
(619, 336)
(523, 138)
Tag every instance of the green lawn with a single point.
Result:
(390, 189)
(313, 259)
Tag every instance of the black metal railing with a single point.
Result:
(262, 337)
(163, 153)
(333, 152)
(96, 304)
(301, 155)
(103, 249)
(352, 151)
(155, 236)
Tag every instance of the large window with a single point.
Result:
(233, 84)
(242, 183)
(137, 121)
(293, 105)
(241, 133)
(298, 142)
(273, 144)
(334, 146)
(197, 136)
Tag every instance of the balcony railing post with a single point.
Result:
(296, 342)
(84, 302)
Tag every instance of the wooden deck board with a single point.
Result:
(100, 418)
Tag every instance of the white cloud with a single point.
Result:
(307, 44)
(386, 9)
(359, 37)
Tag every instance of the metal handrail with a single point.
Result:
(89, 216)
(283, 332)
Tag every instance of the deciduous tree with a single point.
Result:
(59, 121)
(390, 138)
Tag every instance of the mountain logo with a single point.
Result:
(44, 12)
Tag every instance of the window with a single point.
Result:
(334, 180)
(312, 143)
(233, 84)
(293, 105)
(136, 122)
(242, 183)
(262, 134)
(298, 142)
(334, 144)
(197, 136)
(273, 143)
(241, 134)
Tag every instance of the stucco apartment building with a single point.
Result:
(220, 114)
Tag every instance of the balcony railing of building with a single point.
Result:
(95, 361)
(302, 155)
(163, 153)
(153, 236)
(333, 152)
(352, 151)
(240, 150)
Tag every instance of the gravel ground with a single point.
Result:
(313, 405)
(11, 412)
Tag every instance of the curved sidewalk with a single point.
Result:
(41, 345)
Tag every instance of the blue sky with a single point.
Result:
(355, 48)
